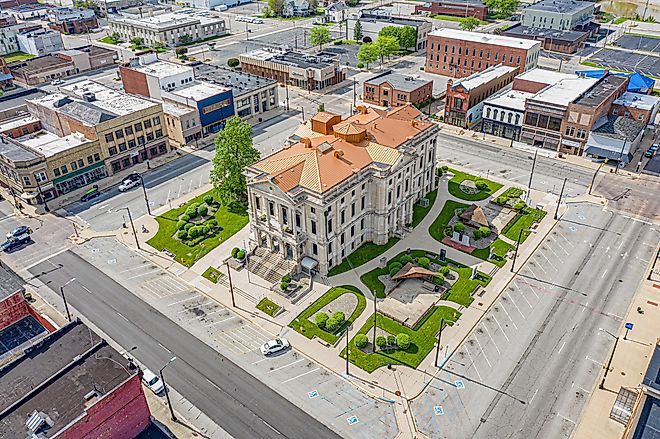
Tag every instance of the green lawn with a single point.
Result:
(500, 249)
(212, 274)
(620, 20)
(420, 212)
(523, 221)
(109, 40)
(17, 56)
(446, 214)
(363, 254)
(460, 292)
(230, 219)
(268, 306)
(304, 326)
(422, 340)
(454, 186)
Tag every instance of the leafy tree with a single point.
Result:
(240, 255)
(502, 8)
(405, 259)
(459, 227)
(115, 36)
(277, 6)
(267, 12)
(182, 235)
(185, 39)
(331, 325)
(180, 51)
(357, 33)
(202, 210)
(481, 185)
(313, 6)
(395, 266)
(403, 341)
(390, 31)
(386, 47)
(439, 278)
(233, 152)
(444, 271)
(339, 317)
(408, 37)
(391, 340)
(284, 285)
(208, 199)
(424, 262)
(361, 340)
(381, 341)
(319, 35)
(158, 45)
(367, 53)
(469, 23)
(234, 252)
(320, 108)
(485, 231)
(137, 42)
(233, 62)
(352, 3)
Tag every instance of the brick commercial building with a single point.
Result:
(340, 184)
(62, 64)
(566, 41)
(72, 21)
(372, 22)
(458, 53)
(465, 97)
(562, 15)
(635, 106)
(455, 8)
(503, 113)
(307, 71)
(394, 90)
(72, 385)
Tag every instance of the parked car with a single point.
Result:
(152, 381)
(20, 230)
(128, 184)
(274, 346)
(57, 82)
(15, 242)
(90, 194)
(257, 21)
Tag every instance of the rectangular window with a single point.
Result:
(389, 198)
(352, 231)
(147, 123)
(64, 169)
(140, 140)
(297, 220)
(315, 249)
(362, 224)
(81, 163)
(313, 227)
(138, 127)
(285, 215)
(271, 208)
(329, 226)
(122, 147)
(56, 172)
(131, 143)
(26, 180)
(257, 203)
(159, 133)
(352, 209)
(362, 203)
(112, 150)
(97, 157)
(150, 137)
(90, 159)
(109, 137)
(128, 130)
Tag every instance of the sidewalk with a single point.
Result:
(628, 364)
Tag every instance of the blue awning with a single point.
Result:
(5, 76)
(607, 154)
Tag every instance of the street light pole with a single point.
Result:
(593, 180)
(347, 329)
(66, 305)
(601, 386)
(354, 93)
(286, 88)
(167, 393)
(515, 255)
(375, 314)
(41, 194)
(437, 349)
(146, 200)
(247, 261)
(231, 286)
(616, 170)
(560, 195)
(529, 186)
(130, 218)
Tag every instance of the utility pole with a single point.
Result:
(286, 87)
(247, 261)
(66, 305)
(130, 218)
(231, 286)
(167, 394)
(354, 93)
(531, 174)
(41, 195)
(609, 363)
(146, 200)
(593, 180)
(347, 329)
(560, 195)
(616, 170)
(437, 349)
(515, 255)
(375, 314)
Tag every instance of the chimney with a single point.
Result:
(338, 153)
(306, 141)
(361, 109)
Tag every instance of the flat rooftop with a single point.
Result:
(480, 78)
(162, 69)
(296, 59)
(510, 99)
(601, 91)
(476, 37)
(569, 36)
(14, 151)
(618, 127)
(565, 91)
(50, 144)
(9, 124)
(198, 90)
(559, 6)
(543, 76)
(637, 100)
(176, 109)
(165, 21)
(47, 379)
(240, 83)
(376, 17)
(398, 81)
(17, 97)
(10, 282)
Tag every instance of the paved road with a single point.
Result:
(529, 367)
(244, 406)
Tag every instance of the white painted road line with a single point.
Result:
(491, 339)
(185, 300)
(594, 361)
(565, 418)
(164, 348)
(121, 315)
(514, 304)
(501, 329)
(533, 396)
(483, 351)
(301, 375)
(509, 316)
(220, 321)
(562, 347)
(525, 299)
(259, 361)
(472, 363)
(286, 365)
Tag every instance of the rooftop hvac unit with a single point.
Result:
(89, 97)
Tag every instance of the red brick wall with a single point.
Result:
(484, 56)
(422, 94)
(12, 309)
(32, 127)
(634, 113)
(528, 86)
(454, 9)
(134, 82)
(123, 414)
(45, 323)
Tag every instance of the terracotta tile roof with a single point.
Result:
(348, 128)
(324, 116)
(289, 178)
(410, 271)
(476, 215)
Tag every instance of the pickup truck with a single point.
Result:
(15, 242)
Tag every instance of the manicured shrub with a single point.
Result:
(185, 218)
(381, 341)
(233, 62)
(393, 272)
(423, 262)
(485, 231)
(439, 278)
(320, 319)
(403, 341)
(202, 210)
(391, 340)
(403, 260)
(212, 223)
(180, 225)
(205, 229)
(501, 200)
(182, 235)
(188, 226)
(191, 211)
(234, 252)
(444, 271)
(459, 227)
(394, 266)
(286, 278)
(444, 168)
(520, 205)
(240, 255)
(360, 65)
(361, 340)
(339, 317)
(439, 172)
(284, 286)
(481, 185)
(447, 230)
(477, 234)
(208, 199)
(331, 325)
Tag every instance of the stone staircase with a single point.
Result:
(270, 266)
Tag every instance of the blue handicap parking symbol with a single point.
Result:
(438, 410)
(352, 420)
(313, 394)
(459, 384)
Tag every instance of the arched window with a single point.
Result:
(509, 117)
(517, 119)
(502, 116)
(495, 114)
(488, 113)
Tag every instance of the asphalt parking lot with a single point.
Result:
(307, 384)
(627, 61)
(638, 42)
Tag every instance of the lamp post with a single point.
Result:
(515, 255)
(437, 349)
(375, 315)
(231, 286)
(347, 351)
(66, 305)
(593, 180)
(560, 195)
(531, 174)
(146, 200)
(601, 386)
(618, 164)
(130, 218)
(41, 195)
(167, 393)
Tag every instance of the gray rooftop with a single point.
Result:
(560, 6)
(398, 81)
(619, 127)
(240, 83)
(86, 112)
(16, 152)
(374, 17)
(521, 31)
(54, 376)
(16, 98)
(601, 91)
(10, 282)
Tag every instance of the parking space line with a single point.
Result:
(202, 303)
(491, 339)
(541, 267)
(225, 334)
(501, 329)
(243, 338)
(185, 300)
(140, 275)
(549, 263)
(286, 365)
(219, 309)
(554, 253)
(301, 375)
(221, 321)
(173, 283)
(472, 363)
(483, 351)
(229, 346)
(566, 239)
(532, 290)
(529, 267)
(525, 299)
(509, 316)
(130, 269)
(514, 304)
(558, 244)
(259, 361)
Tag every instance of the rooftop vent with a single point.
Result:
(89, 97)
(37, 420)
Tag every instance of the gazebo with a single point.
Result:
(410, 271)
(474, 216)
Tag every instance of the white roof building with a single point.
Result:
(564, 91)
(478, 79)
(477, 37)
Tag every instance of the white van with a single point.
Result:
(152, 381)
(220, 8)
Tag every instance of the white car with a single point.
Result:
(152, 381)
(57, 82)
(128, 184)
(257, 21)
(274, 346)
